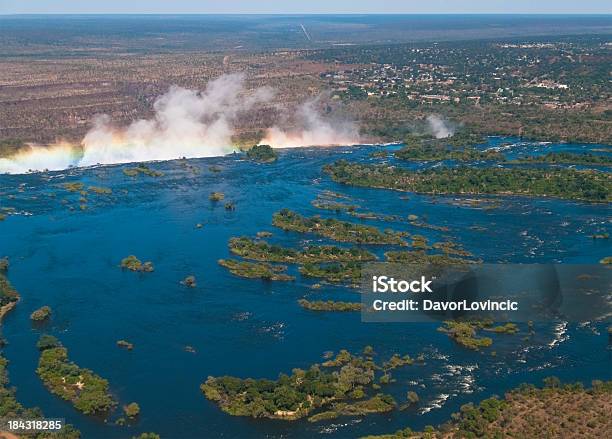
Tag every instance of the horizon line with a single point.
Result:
(300, 13)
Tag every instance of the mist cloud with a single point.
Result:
(186, 123)
(439, 127)
(312, 129)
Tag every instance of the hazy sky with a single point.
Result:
(304, 6)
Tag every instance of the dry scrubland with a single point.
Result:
(552, 89)
(555, 411)
(43, 100)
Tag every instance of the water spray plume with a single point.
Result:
(313, 130)
(439, 127)
(186, 123)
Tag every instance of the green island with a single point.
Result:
(332, 205)
(8, 295)
(422, 258)
(424, 150)
(329, 201)
(41, 314)
(465, 333)
(87, 391)
(334, 272)
(10, 408)
(100, 190)
(342, 231)
(452, 248)
(142, 169)
(262, 154)
(262, 251)
(379, 403)
(254, 270)
(555, 410)
(329, 305)
(587, 185)
(73, 187)
(131, 410)
(568, 158)
(342, 385)
(132, 263)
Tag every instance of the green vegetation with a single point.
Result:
(262, 251)
(125, 344)
(333, 205)
(47, 342)
(334, 272)
(73, 187)
(425, 150)
(452, 248)
(465, 332)
(100, 190)
(10, 408)
(508, 328)
(297, 395)
(254, 270)
(379, 403)
(262, 153)
(132, 263)
(568, 158)
(330, 305)
(142, 169)
(422, 258)
(8, 295)
(41, 314)
(606, 261)
(84, 389)
(563, 183)
(131, 410)
(147, 436)
(397, 361)
(338, 230)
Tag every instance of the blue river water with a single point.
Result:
(68, 258)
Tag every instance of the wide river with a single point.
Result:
(68, 258)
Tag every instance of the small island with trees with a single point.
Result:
(132, 263)
(344, 385)
(256, 270)
(262, 154)
(581, 185)
(88, 392)
(341, 231)
(41, 314)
